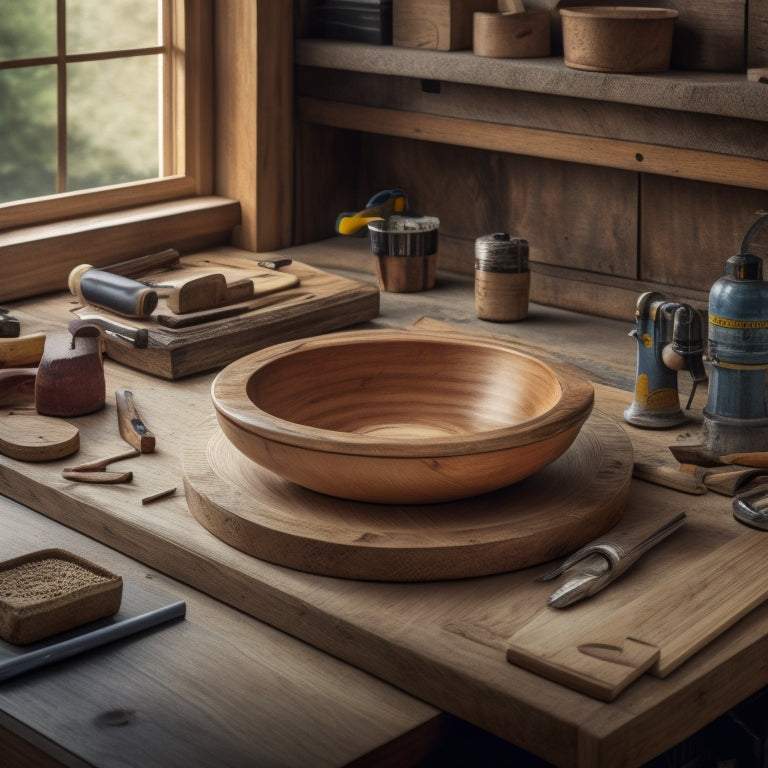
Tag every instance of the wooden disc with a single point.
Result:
(556, 511)
(31, 437)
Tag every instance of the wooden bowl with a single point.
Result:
(618, 38)
(400, 417)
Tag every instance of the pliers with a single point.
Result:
(602, 561)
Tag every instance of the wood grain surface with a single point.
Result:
(319, 303)
(27, 436)
(573, 500)
(443, 641)
(401, 417)
(656, 632)
(218, 689)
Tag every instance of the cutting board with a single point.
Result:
(655, 633)
(570, 502)
(317, 302)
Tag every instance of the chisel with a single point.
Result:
(132, 428)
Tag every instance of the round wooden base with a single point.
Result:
(572, 501)
(31, 437)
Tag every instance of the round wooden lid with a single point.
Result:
(31, 437)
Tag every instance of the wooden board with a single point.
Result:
(321, 302)
(601, 655)
(443, 641)
(570, 502)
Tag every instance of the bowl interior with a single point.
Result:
(404, 388)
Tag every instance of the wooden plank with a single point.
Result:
(655, 633)
(649, 122)
(562, 209)
(685, 224)
(444, 641)
(626, 155)
(757, 34)
(728, 95)
(254, 120)
(215, 689)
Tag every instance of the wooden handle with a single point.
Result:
(132, 428)
(208, 292)
(143, 265)
(22, 351)
(115, 293)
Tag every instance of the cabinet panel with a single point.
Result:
(576, 216)
(689, 229)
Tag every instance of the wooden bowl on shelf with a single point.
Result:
(621, 39)
(400, 417)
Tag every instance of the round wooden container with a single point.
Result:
(618, 39)
(502, 279)
(511, 35)
(400, 417)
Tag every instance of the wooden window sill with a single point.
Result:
(38, 259)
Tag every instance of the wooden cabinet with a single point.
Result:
(621, 183)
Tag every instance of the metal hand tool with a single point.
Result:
(751, 508)
(138, 337)
(380, 206)
(597, 564)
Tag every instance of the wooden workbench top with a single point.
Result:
(217, 689)
(444, 641)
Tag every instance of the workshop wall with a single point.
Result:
(598, 236)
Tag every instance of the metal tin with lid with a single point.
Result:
(502, 278)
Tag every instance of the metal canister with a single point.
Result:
(502, 279)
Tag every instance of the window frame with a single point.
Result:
(188, 144)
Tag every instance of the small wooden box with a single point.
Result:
(52, 591)
(440, 25)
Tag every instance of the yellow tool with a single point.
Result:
(380, 206)
(23, 351)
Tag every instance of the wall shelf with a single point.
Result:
(711, 93)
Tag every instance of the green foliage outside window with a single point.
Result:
(111, 106)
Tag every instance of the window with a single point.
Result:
(102, 105)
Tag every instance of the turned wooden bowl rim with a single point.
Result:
(571, 410)
(619, 13)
